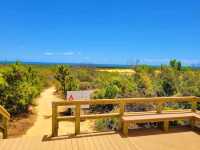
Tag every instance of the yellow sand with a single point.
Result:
(42, 126)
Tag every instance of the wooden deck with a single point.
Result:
(151, 139)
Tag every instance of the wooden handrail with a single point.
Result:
(128, 100)
(5, 118)
(4, 112)
(158, 101)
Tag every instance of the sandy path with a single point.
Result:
(42, 126)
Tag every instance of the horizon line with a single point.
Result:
(90, 64)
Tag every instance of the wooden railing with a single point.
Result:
(157, 101)
(4, 118)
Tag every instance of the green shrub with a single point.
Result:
(66, 79)
(19, 85)
(107, 124)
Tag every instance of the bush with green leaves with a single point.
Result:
(19, 85)
(107, 124)
(66, 79)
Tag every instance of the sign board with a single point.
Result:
(79, 95)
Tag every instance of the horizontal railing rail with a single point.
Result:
(158, 101)
(5, 116)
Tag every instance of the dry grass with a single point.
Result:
(123, 71)
(20, 124)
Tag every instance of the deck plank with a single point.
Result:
(107, 142)
(68, 144)
(74, 144)
(114, 142)
(99, 142)
(90, 143)
(121, 143)
(80, 143)
(95, 143)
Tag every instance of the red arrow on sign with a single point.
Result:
(71, 98)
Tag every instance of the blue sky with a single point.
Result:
(100, 31)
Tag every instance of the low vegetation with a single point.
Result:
(20, 84)
(66, 79)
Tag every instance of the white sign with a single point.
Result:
(79, 95)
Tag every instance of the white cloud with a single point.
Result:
(48, 53)
(68, 53)
(164, 60)
(86, 58)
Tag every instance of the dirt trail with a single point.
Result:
(42, 125)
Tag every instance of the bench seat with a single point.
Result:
(165, 118)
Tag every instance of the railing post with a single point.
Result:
(194, 105)
(159, 107)
(166, 126)
(5, 126)
(77, 119)
(54, 120)
(122, 108)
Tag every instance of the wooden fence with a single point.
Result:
(4, 118)
(157, 101)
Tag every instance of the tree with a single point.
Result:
(175, 64)
(66, 79)
(172, 63)
(61, 74)
(167, 80)
(178, 65)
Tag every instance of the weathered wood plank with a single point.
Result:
(158, 117)
(5, 127)
(95, 142)
(92, 144)
(103, 142)
(98, 116)
(74, 144)
(166, 125)
(125, 128)
(4, 112)
(68, 144)
(165, 118)
(54, 120)
(122, 110)
(5, 117)
(159, 101)
(114, 143)
(77, 119)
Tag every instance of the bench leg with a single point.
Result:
(192, 123)
(120, 124)
(166, 126)
(125, 129)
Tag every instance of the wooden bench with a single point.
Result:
(164, 118)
